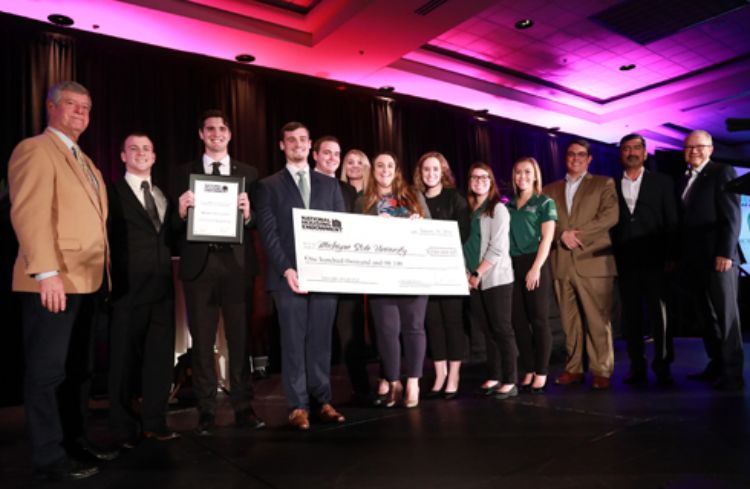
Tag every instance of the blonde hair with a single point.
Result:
(365, 166)
(537, 174)
(446, 176)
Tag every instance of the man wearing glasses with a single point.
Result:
(583, 266)
(709, 260)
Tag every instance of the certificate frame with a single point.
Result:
(197, 181)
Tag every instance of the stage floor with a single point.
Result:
(687, 437)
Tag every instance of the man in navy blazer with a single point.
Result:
(710, 257)
(305, 319)
(643, 239)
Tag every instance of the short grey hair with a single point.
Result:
(55, 92)
(701, 132)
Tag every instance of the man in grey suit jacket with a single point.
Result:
(583, 266)
(709, 259)
(305, 320)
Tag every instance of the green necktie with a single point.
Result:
(304, 188)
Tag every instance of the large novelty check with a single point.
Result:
(353, 253)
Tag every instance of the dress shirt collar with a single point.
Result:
(293, 170)
(208, 164)
(636, 179)
(65, 139)
(699, 169)
(570, 179)
(135, 181)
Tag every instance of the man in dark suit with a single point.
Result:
(643, 240)
(583, 266)
(215, 278)
(59, 214)
(349, 333)
(142, 321)
(709, 260)
(305, 320)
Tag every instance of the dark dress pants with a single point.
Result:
(58, 352)
(306, 324)
(404, 316)
(445, 328)
(716, 293)
(219, 288)
(141, 362)
(530, 316)
(491, 309)
(642, 292)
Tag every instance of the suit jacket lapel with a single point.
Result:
(73, 163)
(293, 189)
(580, 194)
(129, 199)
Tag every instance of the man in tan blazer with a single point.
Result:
(583, 265)
(59, 214)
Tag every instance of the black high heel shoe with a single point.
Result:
(449, 396)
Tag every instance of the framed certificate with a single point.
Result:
(215, 217)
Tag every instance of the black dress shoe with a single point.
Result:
(728, 385)
(709, 374)
(664, 380)
(65, 469)
(524, 387)
(162, 434)
(538, 390)
(449, 396)
(248, 419)
(433, 394)
(501, 396)
(635, 377)
(380, 400)
(206, 424)
(83, 450)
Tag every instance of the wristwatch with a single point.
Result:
(475, 274)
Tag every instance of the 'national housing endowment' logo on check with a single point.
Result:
(321, 224)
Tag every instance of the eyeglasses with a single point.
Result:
(580, 154)
(480, 178)
(699, 147)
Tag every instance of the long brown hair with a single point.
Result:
(446, 176)
(493, 196)
(402, 192)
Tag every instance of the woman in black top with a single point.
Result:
(444, 320)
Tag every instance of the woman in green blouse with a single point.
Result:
(532, 226)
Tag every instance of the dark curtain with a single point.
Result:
(163, 92)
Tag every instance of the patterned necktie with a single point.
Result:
(216, 165)
(684, 189)
(304, 188)
(86, 170)
(151, 210)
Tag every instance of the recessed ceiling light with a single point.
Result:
(386, 89)
(627, 67)
(60, 19)
(95, 26)
(524, 24)
(245, 58)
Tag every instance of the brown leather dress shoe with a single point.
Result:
(568, 378)
(328, 414)
(600, 383)
(298, 419)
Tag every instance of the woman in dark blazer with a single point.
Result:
(445, 328)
